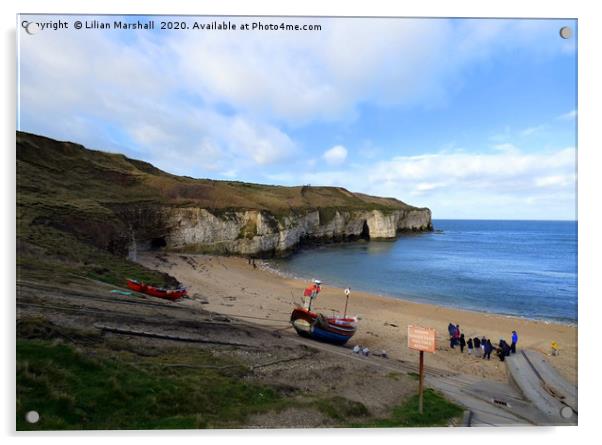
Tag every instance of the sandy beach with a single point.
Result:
(229, 285)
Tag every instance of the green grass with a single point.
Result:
(74, 390)
(63, 172)
(48, 253)
(395, 375)
(414, 375)
(341, 409)
(79, 379)
(438, 411)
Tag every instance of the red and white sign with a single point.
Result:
(421, 339)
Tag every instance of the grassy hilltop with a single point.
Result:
(76, 207)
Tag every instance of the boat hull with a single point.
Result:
(334, 330)
(136, 285)
(166, 294)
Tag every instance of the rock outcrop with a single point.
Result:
(261, 233)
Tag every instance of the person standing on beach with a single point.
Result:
(506, 349)
(477, 346)
(500, 351)
(311, 293)
(469, 345)
(462, 342)
(514, 342)
(456, 338)
(452, 335)
(487, 349)
(483, 344)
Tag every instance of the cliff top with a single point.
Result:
(63, 172)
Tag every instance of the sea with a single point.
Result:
(518, 268)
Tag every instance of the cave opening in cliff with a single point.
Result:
(158, 243)
(365, 231)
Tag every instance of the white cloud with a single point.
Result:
(554, 181)
(505, 147)
(507, 183)
(503, 171)
(90, 83)
(568, 116)
(335, 155)
(326, 75)
(532, 130)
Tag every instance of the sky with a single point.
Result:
(473, 118)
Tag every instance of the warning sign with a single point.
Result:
(421, 339)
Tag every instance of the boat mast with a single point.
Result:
(347, 292)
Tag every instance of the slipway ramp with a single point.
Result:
(555, 383)
(541, 384)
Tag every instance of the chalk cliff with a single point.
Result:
(254, 232)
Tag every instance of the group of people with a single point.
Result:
(482, 347)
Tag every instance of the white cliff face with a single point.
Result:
(254, 232)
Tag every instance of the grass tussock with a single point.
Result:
(438, 411)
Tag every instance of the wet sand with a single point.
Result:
(231, 286)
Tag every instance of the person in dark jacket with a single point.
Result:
(514, 342)
(500, 351)
(455, 336)
(462, 342)
(506, 349)
(487, 350)
(477, 346)
(451, 328)
(469, 345)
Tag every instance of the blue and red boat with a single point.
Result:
(337, 330)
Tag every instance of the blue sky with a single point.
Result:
(472, 118)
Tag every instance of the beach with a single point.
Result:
(232, 286)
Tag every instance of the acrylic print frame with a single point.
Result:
(295, 222)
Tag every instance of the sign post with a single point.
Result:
(422, 340)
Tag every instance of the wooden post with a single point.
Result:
(421, 383)
(423, 340)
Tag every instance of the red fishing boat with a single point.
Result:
(169, 294)
(159, 292)
(136, 285)
(335, 329)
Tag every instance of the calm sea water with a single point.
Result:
(523, 268)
